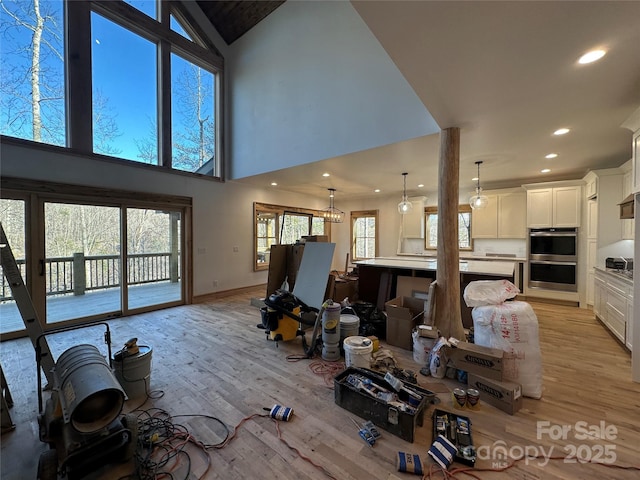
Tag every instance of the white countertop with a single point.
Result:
(497, 268)
(615, 273)
(481, 258)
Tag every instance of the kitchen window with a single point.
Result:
(465, 242)
(364, 234)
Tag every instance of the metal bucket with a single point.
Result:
(134, 372)
(90, 396)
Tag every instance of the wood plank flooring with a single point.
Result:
(210, 359)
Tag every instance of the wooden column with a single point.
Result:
(447, 316)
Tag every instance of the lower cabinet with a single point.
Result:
(613, 304)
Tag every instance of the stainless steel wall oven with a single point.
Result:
(553, 258)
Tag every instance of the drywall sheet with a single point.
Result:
(311, 282)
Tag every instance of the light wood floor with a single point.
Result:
(211, 359)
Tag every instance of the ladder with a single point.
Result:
(25, 305)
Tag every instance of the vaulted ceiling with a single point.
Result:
(506, 73)
(234, 19)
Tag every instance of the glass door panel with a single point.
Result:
(153, 257)
(82, 260)
(12, 217)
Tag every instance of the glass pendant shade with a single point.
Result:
(478, 200)
(331, 213)
(405, 206)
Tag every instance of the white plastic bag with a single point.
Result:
(513, 328)
(438, 359)
(421, 348)
(489, 292)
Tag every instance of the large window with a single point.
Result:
(128, 80)
(364, 234)
(465, 241)
(277, 224)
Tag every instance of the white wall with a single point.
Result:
(311, 82)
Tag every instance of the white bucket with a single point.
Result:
(349, 326)
(421, 348)
(357, 352)
(134, 372)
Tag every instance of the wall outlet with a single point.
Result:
(236, 249)
(202, 251)
(215, 283)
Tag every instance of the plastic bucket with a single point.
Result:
(357, 351)
(349, 326)
(134, 372)
(89, 394)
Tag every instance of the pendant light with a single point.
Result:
(331, 213)
(478, 200)
(405, 206)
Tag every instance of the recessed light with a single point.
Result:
(545, 170)
(377, 190)
(325, 174)
(474, 179)
(420, 185)
(274, 184)
(592, 56)
(551, 155)
(561, 131)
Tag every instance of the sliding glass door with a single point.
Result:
(82, 266)
(153, 257)
(12, 216)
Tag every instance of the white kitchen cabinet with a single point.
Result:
(504, 216)
(628, 225)
(633, 123)
(613, 303)
(592, 219)
(592, 249)
(484, 221)
(591, 188)
(512, 215)
(629, 341)
(554, 207)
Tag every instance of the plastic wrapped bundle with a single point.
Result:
(512, 327)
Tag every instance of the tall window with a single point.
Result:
(32, 98)
(364, 234)
(153, 81)
(465, 241)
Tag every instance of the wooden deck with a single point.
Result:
(210, 359)
(66, 307)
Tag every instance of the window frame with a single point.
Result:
(280, 211)
(354, 216)
(462, 208)
(78, 76)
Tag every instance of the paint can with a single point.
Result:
(134, 371)
(280, 412)
(459, 397)
(357, 352)
(331, 333)
(473, 399)
(349, 326)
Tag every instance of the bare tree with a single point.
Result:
(194, 140)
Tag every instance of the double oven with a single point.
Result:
(553, 259)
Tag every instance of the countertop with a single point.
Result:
(481, 258)
(623, 275)
(481, 267)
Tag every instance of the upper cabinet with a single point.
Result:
(553, 206)
(633, 123)
(503, 217)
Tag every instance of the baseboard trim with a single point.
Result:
(208, 297)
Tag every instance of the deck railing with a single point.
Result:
(79, 273)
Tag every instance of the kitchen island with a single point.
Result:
(377, 277)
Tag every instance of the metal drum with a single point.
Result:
(134, 372)
(90, 396)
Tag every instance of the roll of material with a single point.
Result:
(280, 412)
(409, 463)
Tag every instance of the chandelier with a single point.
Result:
(331, 213)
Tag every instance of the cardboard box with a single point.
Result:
(316, 238)
(428, 331)
(507, 396)
(403, 314)
(483, 361)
